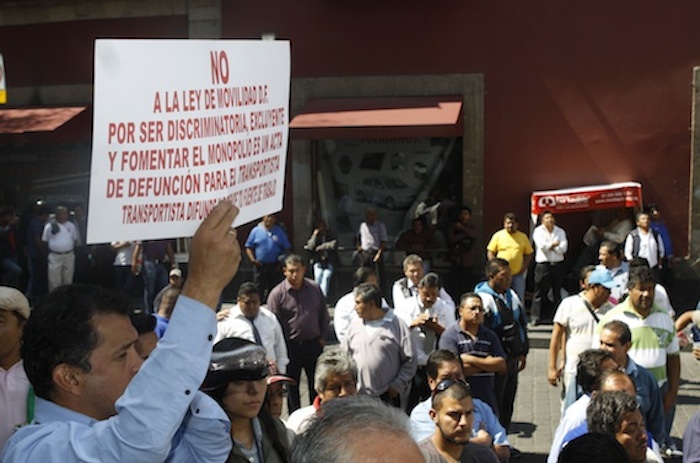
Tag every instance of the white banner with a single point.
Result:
(180, 125)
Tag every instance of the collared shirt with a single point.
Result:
(648, 398)
(543, 239)
(302, 313)
(385, 355)
(511, 247)
(268, 244)
(404, 293)
(236, 325)
(14, 388)
(653, 338)
(573, 417)
(425, 340)
(65, 240)
(372, 236)
(160, 416)
(422, 426)
(484, 344)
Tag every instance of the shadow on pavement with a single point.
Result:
(531, 458)
(522, 429)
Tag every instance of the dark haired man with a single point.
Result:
(248, 320)
(551, 245)
(574, 327)
(381, 345)
(300, 306)
(265, 246)
(593, 363)
(504, 313)
(616, 338)
(611, 259)
(643, 241)
(486, 430)
(345, 307)
(95, 402)
(61, 236)
(654, 342)
(478, 347)
(513, 246)
(617, 414)
(427, 316)
(453, 415)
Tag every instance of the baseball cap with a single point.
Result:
(277, 377)
(235, 359)
(602, 277)
(176, 272)
(280, 379)
(13, 300)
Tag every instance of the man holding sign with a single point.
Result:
(96, 401)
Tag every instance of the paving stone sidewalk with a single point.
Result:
(537, 403)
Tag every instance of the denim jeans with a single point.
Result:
(322, 275)
(518, 285)
(155, 278)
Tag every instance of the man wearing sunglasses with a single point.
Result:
(486, 430)
(453, 415)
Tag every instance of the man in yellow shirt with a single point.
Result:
(513, 246)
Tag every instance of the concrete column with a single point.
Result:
(204, 19)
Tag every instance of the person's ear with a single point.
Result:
(67, 378)
(433, 414)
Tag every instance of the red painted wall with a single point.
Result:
(576, 93)
(62, 53)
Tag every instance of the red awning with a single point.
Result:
(342, 118)
(627, 194)
(21, 120)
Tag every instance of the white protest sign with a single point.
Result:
(178, 126)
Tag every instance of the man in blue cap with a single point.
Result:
(575, 322)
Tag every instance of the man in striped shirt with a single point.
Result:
(654, 342)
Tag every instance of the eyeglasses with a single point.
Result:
(445, 384)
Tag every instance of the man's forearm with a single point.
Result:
(673, 370)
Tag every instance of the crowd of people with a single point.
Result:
(417, 374)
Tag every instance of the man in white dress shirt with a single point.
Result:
(550, 246)
(427, 315)
(405, 289)
(61, 236)
(247, 320)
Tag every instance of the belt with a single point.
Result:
(67, 252)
